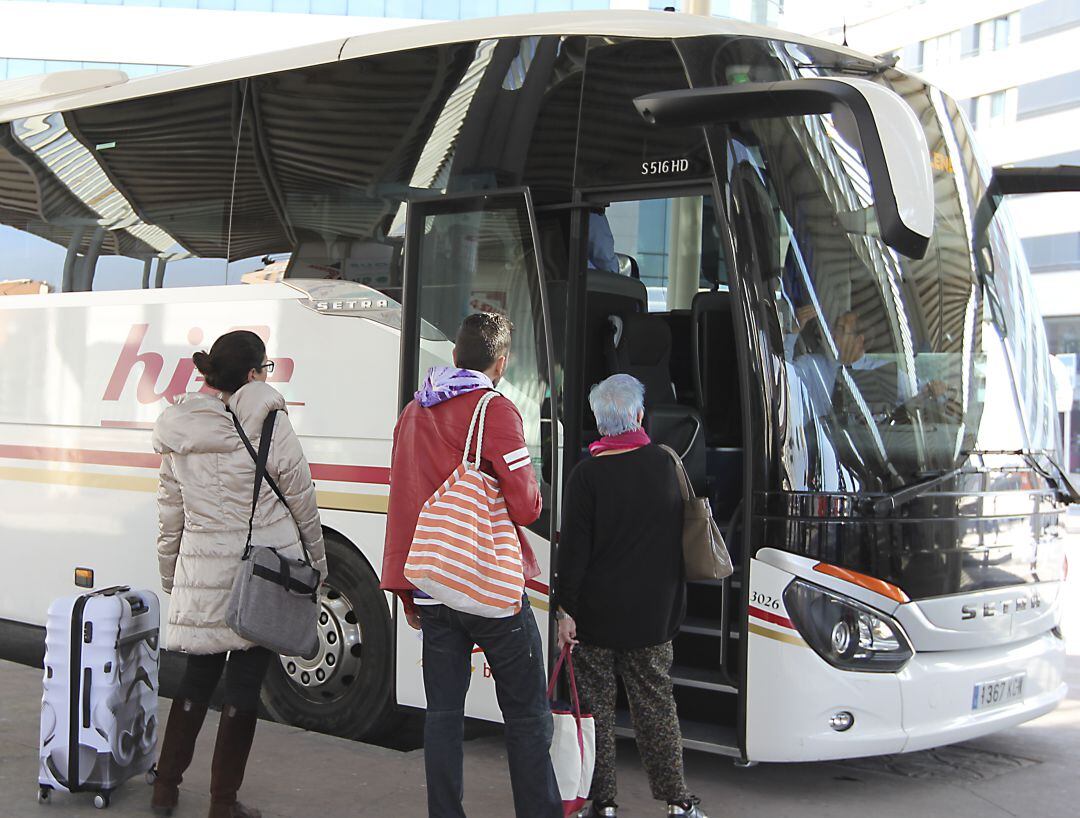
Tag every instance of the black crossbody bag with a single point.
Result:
(274, 600)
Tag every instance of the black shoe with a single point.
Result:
(600, 809)
(690, 808)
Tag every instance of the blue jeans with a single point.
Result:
(513, 650)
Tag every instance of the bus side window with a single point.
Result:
(373, 263)
(121, 204)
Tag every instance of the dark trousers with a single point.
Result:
(244, 672)
(646, 675)
(513, 650)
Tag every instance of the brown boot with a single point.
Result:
(235, 733)
(177, 750)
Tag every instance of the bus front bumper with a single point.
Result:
(938, 690)
(927, 704)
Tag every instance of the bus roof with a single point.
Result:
(636, 24)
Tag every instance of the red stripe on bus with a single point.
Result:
(127, 424)
(537, 586)
(775, 619)
(95, 458)
(145, 460)
(351, 474)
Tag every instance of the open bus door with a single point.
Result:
(478, 252)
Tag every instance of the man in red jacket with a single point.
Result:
(428, 446)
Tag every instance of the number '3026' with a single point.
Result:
(765, 601)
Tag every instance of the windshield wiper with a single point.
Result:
(891, 502)
(1063, 487)
(1058, 479)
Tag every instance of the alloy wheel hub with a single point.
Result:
(328, 675)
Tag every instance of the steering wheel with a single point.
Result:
(944, 407)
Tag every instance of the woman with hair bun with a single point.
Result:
(204, 502)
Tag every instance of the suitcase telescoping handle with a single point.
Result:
(138, 607)
(111, 591)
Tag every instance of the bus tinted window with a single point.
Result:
(328, 155)
(122, 194)
(882, 376)
(479, 256)
(672, 245)
(889, 364)
(617, 146)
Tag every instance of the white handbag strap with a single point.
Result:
(478, 418)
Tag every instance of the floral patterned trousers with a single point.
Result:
(646, 675)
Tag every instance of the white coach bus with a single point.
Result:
(833, 320)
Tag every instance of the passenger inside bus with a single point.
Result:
(601, 251)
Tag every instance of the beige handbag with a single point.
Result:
(704, 552)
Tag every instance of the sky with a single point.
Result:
(816, 16)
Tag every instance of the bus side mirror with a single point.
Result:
(1009, 182)
(876, 120)
(1017, 181)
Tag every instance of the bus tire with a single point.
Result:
(347, 689)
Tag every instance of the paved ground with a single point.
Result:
(1028, 770)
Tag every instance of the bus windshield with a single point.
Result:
(889, 368)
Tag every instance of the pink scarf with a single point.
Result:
(627, 440)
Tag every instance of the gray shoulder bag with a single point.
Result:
(275, 600)
(704, 552)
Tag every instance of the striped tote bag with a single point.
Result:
(465, 552)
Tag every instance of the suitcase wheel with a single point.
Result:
(101, 800)
(43, 794)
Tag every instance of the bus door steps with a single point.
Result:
(702, 625)
(708, 737)
(701, 678)
(733, 582)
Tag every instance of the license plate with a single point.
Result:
(998, 692)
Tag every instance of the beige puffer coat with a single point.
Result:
(204, 501)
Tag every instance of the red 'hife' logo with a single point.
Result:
(153, 363)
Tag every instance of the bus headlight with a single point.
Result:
(846, 633)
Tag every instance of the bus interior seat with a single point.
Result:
(606, 294)
(716, 369)
(628, 266)
(682, 364)
(718, 397)
(644, 351)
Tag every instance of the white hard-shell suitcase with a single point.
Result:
(99, 710)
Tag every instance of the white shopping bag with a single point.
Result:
(573, 745)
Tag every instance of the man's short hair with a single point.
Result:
(483, 338)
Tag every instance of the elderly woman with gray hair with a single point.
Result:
(622, 595)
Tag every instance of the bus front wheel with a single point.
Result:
(346, 689)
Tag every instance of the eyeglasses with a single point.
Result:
(268, 366)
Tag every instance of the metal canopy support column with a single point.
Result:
(159, 278)
(89, 261)
(147, 264)
(684, 252)
(71, 261)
